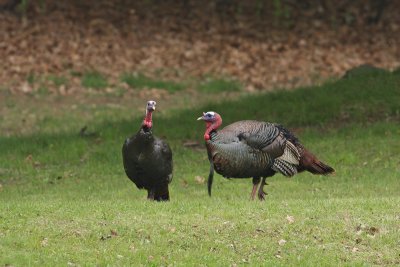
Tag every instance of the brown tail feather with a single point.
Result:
(310, 163)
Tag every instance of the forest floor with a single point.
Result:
(52, 47)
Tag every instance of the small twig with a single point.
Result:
(84, 133)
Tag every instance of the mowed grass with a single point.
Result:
(65, 199)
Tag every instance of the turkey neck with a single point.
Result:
(212, 126)
(148, 121)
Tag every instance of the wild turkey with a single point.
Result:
(148, 159)
(255, 149)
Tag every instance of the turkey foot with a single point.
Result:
(261, 194)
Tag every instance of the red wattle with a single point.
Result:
(212, 125)
(148, 120)
(148, 124)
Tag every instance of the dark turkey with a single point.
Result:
(148, 159)
(255, 149)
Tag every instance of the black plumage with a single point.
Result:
(148, 160)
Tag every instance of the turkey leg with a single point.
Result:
(150, 194)
(256, 181)
(261, 193)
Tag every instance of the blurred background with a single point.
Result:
(61, 47)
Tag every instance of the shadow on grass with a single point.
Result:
(360, 100)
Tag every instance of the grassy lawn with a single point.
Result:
(65, 199)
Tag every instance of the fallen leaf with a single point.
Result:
(373, 231)
(29, 158)
(36, 164)
(199, 179)
(113, 233)
(44, 242)
(184, 183)
(290, 219)
(26, 88)
(77, 233)
(62, 90)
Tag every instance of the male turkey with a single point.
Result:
(148, 159)
(255, 149)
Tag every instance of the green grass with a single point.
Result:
(141, 81)
(65, 199)
(31, 79)
(94, 80)
(43, 91)
(58, 80)
(214, 85)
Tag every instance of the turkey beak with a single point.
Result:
(151, 105)
(202, 117)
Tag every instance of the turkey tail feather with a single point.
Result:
(284, 167)
(310, 163)
(318, 167)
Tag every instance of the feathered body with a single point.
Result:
(256, 149)
(148, 161)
